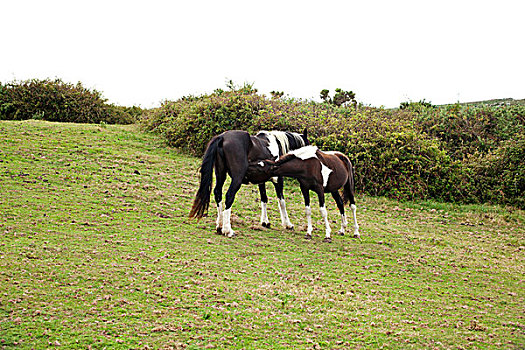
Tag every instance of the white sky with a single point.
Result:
(387, 52)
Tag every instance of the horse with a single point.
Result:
(321, 172)
(230, 153)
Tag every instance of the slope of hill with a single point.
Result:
(96, 251)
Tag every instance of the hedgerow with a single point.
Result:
(428, 153)
(55, 100)
(499, 176)
(467, 129)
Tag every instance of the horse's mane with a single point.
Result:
(286, 140)
(295, 141)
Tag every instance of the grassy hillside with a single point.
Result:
(96, 251)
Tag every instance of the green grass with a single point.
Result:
(96, 251)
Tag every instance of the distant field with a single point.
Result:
(496, 102)
(96, 251)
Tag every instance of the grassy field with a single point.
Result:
(96, 251)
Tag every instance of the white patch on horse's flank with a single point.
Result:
(325, 171)
(273, 146)
(305, 152)
(282, 139)
(276, 138)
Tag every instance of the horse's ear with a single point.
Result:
(305, 136)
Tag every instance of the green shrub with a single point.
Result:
(467, 129)
(390, 157)
(500, 174)
(420, 152)
(191, 122)
(55, 100)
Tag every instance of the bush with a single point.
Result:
(500, 174)
(467, 129)
(54, 100)
(191, 122)
(420, 152)
(390, 158)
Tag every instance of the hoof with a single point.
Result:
(341, 233)
(266, 224)
(290, 228)
(231, 235)
(327, 240)
(307, 236)
(219, 231)
(357, 235)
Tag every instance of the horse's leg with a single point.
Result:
(279, 186)
(230, 196)
(350, 193)
(220, 177)
(308, 211)
(264, 204)
(356, 226)
(324, 214)
(341, 207)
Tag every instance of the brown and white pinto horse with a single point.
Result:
(230, 153)
(318, 171)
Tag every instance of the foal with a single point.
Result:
(318, 171)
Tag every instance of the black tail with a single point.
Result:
(349, 189)
(202, 198)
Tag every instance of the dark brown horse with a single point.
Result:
(318, 171)
(230, 153)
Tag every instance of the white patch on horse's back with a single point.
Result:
(305, 152)
(325, 171)
(332, 152)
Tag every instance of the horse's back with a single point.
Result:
(233, 153)
(340, 167)
(236, 141)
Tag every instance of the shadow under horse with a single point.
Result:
(230, 153)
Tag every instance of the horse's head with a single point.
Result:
(260, 171)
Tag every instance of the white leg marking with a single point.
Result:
(218, 223)
(356, 226)
(264, 214)
(308, 212)
(285, 220)
(226, 225)
(344, 223)
(324, 214)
